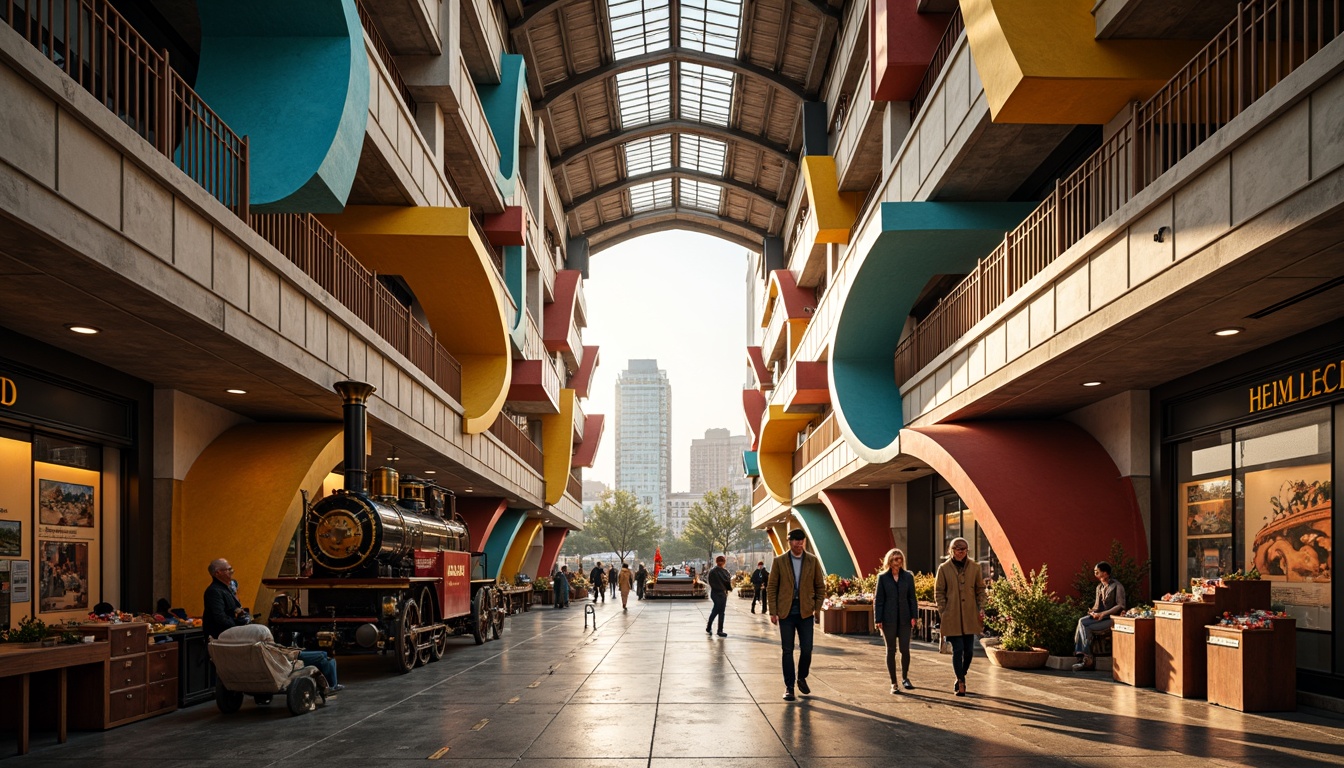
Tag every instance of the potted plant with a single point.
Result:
(1029, 620)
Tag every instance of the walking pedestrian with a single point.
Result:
(611, 580)
(796, 590)
(641, 578)
(598, 584)
(626, 581)
(894, 613)
(959, 591)
(758, 579)
(720, 584)
(1110, 601)
(561, 586)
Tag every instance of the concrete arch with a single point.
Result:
(1043, 492)
(704, 228)
(241, 501)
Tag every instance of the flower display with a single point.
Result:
(1181, 597)
(836, 602)
(1254, 620)
(1143, 611)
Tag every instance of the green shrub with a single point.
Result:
(1025, 614)
(1131, 574)
(924, 584)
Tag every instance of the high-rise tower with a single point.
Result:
(644, 435)
(716, 461)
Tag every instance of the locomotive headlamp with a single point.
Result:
(389, 607)
(326, 639)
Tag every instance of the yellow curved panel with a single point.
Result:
(241, 501)
(439, 254)
(779, 438)
(517, 554)
(835, 210)
(1040, 62)
(557, 446)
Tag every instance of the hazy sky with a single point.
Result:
(679, 298)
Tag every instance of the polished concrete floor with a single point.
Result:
(647, 687)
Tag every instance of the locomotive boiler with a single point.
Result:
(389, 567)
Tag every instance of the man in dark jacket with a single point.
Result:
(599, 582)
(758, 579)
(222, 609)
(641, 576)
(720, 584)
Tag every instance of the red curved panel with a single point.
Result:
(481, 514)
(1044, 492)
(753, 406)
(864, 520)
(551, 541)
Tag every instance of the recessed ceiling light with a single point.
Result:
(468, 490)
(863, 485)
(1228, 331)
(236, 391)
(87, 330)
(431, 471)
(1093, 383)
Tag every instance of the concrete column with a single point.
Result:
(816, 142)
(895, 126)
(900, 519)
(429, 118)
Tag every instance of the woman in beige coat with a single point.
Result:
(959, 591)
(625, 580)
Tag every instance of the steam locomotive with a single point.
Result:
(389, 567)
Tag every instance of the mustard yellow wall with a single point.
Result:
(779, 438)
(1040, 62)
(517, 554)
(241, 501)
(835, 210)
(439, 254)
(557, 444)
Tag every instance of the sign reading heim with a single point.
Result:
(1296, 387)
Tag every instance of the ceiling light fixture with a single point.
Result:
(87, 330)
(431, 471)
(863, 485)
(1230, 331)
(468, 490)
(1097, 383)
(236, 391)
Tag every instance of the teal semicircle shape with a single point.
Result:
(293, 77)
(917, 242)
(826, 539)
(515, 280)
(503, 106)
(501, 538)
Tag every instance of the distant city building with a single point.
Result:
(679, 511)
(716, 462)
(644, 435)
(592, 490)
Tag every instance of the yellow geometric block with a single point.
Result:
(834, 210)
(557, 444)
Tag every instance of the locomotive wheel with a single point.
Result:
(405, 652)
(438, 639)
(501, 610)
(422, 639)
(482, 605)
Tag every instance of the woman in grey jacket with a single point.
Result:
(894, 614)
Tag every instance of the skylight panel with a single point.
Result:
(638, 26)
(700, 153)
(645, 95)
(711, 26)
(699, 194)
(706, 93)
(651, 196)
(647, 155)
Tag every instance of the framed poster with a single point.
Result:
(67, 530)
(11, 538)
(1289, 514)
(63, 568)
(1206, 532)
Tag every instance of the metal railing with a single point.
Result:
(517, 441)
(821, 438)
(1265, 43)
(97, 48)
(315, 250)
(758, 492)
(385, 55)
(574, 488)
(955, 26)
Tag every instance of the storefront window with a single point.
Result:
(1204, 500)
(955, 519)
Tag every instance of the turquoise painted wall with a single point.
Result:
(501, 537)
(826, 539)
(515, 280)
(294, 78)
(503, 105)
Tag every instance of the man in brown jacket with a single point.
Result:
(795, 592)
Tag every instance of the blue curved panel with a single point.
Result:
(503, 105)
(917, 242)
(294, 78)
(751, 464)
(501, 538)
(515, 280)
(826, 540)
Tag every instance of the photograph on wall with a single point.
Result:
(68, 504)
(11, 538)
(1208, 517)
(1288, 522)
(63, 575)
(1209, 490)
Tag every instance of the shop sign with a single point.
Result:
(1167, 614)
(1124, 629)
(9, 392)
(1296, 387)
(1226, 642)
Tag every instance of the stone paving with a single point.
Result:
(647, 688)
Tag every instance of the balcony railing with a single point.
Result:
(1264, 44)
(98, 49)
(385, 56)
(758, 493)
(823, 437)
(517, 441)
(955, 26)
(315, 250)
(574, 488)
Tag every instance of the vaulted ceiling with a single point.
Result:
(673, 114)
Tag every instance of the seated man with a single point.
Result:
(324, 664)
(1109, 602)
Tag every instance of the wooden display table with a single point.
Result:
(139, 680)
(1132, 651)
(1254, 670)
(19, 662)
(1180, 663)
(849, 620)
(1240, 597)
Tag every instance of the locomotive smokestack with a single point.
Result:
(355, 394)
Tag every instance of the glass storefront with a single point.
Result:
(955, 519)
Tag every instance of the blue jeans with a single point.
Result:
(795, 623)
(720, 600)
(1087, 627)
(963, 648)
(324, 664)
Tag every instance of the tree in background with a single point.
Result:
(679, 550)
(623, 524)
(580, 544)
(718, 522)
